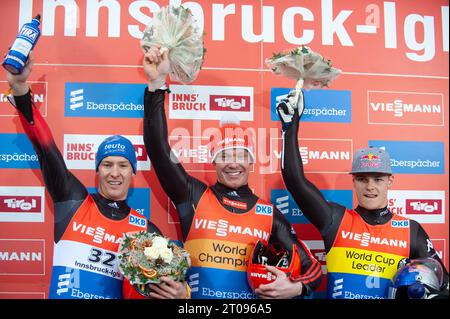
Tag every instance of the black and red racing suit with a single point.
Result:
(186, 192)
(327, 216)
(89, 231)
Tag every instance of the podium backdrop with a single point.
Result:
(88, 83)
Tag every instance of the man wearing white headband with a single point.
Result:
(220, 223)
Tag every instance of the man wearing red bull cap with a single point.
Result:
(220, 223)
(87, 228)
(363, 245)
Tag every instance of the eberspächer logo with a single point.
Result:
(17, 152)
(414, 157)
(104, 100)
(320, 105)
(283, 200)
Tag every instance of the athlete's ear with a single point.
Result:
(390, 180)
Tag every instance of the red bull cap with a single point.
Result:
(371, 160)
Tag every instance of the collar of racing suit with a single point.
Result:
(374, 216)
(243, 191)
(242, 194)
(116, 210)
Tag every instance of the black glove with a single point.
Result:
(289, 106)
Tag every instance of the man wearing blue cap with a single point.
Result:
(87, 228)
(364, 245)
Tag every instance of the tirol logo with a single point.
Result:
(414, 157)
(329, 106)
(138, 199)
(22, 257)
(405, 108)
(17, 152)
(422, 206)
(263, 209)
(229, 102)
(104, 100)
(210, 102)
(284, 202)
(22, 204)
(318, 155)
(79, 154)
(38, 97)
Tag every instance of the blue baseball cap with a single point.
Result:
(116, 145)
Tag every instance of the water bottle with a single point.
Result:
(25, 41)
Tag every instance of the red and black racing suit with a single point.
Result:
(186, 192)
(328, 217)
(71, 199)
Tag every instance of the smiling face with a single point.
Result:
(371, 189)
(233, 167)
(114, 177)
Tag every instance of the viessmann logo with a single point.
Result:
(22, 257)
(80, 150)
(366, 239)
(98, 234)
(223, 227)
(210, 102)
(405, 108)
(318, 155)
(117, 100)
(192, 152)
(422, 206)
(22, 204)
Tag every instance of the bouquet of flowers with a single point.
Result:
(145, 257)
(307, 67)
(174, 29)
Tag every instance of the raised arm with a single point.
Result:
(308, 198)
(171, 174)
(61, 184)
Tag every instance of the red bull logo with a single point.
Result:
(370, 157)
